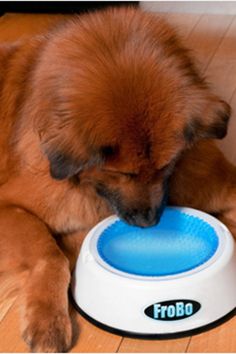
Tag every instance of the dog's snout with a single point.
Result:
(143, 218)
(150, 217)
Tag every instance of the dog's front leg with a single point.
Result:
(25, 242)
(70, 245)
(205, 180)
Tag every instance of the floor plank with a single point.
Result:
(227, 49)
(94, 340)
(9, 290)
(222, 76)
(221, 69)
(5, 306)
(90, 338)
(184, 25)
(221, 72)
(11, 341)
(204, 46)
(222, 339)
(154, 346)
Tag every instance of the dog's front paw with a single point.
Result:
(48, 332)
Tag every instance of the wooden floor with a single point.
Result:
(213, 38)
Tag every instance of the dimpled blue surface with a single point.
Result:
(179, 243)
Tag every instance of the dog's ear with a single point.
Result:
(63, 166)
(210, 122)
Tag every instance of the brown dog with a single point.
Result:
(101, 115)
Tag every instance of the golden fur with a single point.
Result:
(99, 116)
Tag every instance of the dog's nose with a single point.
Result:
(150, 217)
(144, 218)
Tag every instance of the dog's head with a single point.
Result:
(120, 101)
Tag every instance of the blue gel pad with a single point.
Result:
(179, 243)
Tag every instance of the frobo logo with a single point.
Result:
(172, 310)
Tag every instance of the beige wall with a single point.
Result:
(211, 7)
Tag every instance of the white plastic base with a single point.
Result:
(119, 300)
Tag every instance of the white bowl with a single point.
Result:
(162, 281)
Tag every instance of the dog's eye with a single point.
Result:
(108, 151)
(130, 174)
(127, 174)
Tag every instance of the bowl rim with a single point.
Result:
(225, 246)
